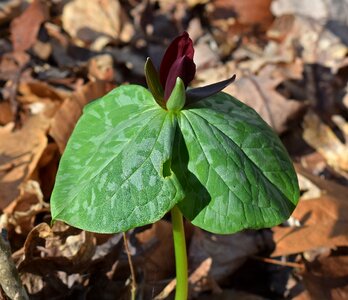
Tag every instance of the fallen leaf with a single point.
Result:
(318, 44)
(320, 136)
(199, 281)
(47, 169)
(205, 57)
(69, 255)
(87, 21)
(228, 252)
(315, 10)
(158, 264)
(19, 155)
(331, 13)
(24, 29)
(6, 114)
(193, 3)
(11, 64)
(21, 213)
(100, 67)
(326, 278)
(9, 9)
(242, 15)
(34, 90)
(323, 220)
(66, 117)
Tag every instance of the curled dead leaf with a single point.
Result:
(89, 20)
(323, 220)
(320, 136)
(24, 29)
(21, 213)
(100, 67)
(45, 251)
(20, 155)
(9, 9)
(240, 15)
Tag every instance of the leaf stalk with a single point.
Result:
(181, 291)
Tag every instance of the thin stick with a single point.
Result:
(281, 263)
(181, 291)
(133, 281)
(9, 277)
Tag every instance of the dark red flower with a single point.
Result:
(178, 62)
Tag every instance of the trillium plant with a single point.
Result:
(136, 154)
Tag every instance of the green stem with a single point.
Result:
(180, 255)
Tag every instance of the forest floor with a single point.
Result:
(291, 62)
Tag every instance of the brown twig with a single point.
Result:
(133, 281)
(280, 263)
(9, 278)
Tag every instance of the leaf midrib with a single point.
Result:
(105, 165)
(241, 149)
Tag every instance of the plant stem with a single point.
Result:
(180, 254)
(133, 281)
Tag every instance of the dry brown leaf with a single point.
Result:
(90, 20)
(193, 3)
(320, 136)
(24, 29)
(199, 281)
(21, 212)
(6, 114)
(228, 252)
(100, 67)
(34, 90)
(318, 45)
(19, 155)
(158, 264)
(205, 57)
(45, 251)
(260, 93)
(9, 9)
(243, 15)
(326, 278)
(324, 220)
(332, 13)
(66, 117)
(218, 73)
(231, 19)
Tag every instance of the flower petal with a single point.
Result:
(184, 68)
(179, 47)
(196, 94)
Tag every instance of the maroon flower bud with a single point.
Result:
(177, 62)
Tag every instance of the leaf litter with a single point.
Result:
(290, 58)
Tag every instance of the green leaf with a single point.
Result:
(177, 99)
(238, 173)
(115, 173)
(153, 82)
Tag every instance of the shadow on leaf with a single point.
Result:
(197, 196)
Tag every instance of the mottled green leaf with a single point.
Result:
(115, 173)
(234, 169)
